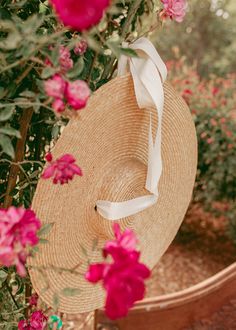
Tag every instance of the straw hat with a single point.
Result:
(110, 143)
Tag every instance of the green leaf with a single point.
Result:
(55, 302)
(84, 251)
(48, 72)
(3, 276)
(45, 229)
(77, 69)
(10, 131)
(128, 52)
(27, 94)
(70, 292)
(6, 113)
(7, 148)
(43, 241)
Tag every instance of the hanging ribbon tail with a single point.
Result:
(149, 73)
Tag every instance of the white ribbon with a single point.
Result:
(149, 73)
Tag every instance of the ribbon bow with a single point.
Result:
(149, 73)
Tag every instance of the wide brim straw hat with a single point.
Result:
(110, 143)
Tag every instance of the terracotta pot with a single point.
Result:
(178, 310)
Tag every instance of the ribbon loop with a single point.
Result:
(149, 73)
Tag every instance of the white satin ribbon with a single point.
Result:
(149, 73)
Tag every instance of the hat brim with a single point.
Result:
(110, 144)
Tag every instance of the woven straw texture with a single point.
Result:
(110, 143)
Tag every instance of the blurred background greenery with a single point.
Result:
(207, 37)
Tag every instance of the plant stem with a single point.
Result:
(12, 297)
(19, 155)
(125, 29)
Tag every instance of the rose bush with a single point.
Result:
(213, 106)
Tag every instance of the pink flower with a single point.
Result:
(123, 279)
(175, 9)
(58, 105)
(77, 94)
(55, 87)
(18, 230)
(80, 15)
(81, 47)
(66, 63)
(37, 321)
(23, 325)
(33, 299)
(126, 240)
(62, 170)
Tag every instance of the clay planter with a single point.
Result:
(178, 310)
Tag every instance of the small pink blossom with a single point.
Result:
(81, 47)
(55, 87)
(80, 15)
(77, 94)
(123, 279)
(213, 122)
(58, 105)
(37, 321)
(62, 170)
(18, 230)
(33, 299)
(210, 140)
(175, 9)
(66, 63)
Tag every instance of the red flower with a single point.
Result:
(33, 299)
(37, 321)
(123, 279)
(18, 230)
(80, 15)
(62, 170)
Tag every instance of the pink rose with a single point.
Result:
(61, 170)
(58, 105)
(175, 9)
(55, 87)
(18, 231)
(37, 321)
(77, 94)
(33, 299)
(80, 15)
(66, 63)
(81, 47)
(123, 279)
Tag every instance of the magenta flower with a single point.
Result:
(126, 240)
(81, 47)
(123, 279)
(61, 170)
(33, 299)
(37, 321)
(58, 105)
(77, 94)
(80, 15)
(175, 9)
(18, 231)
(55, 87)
(66, 63)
